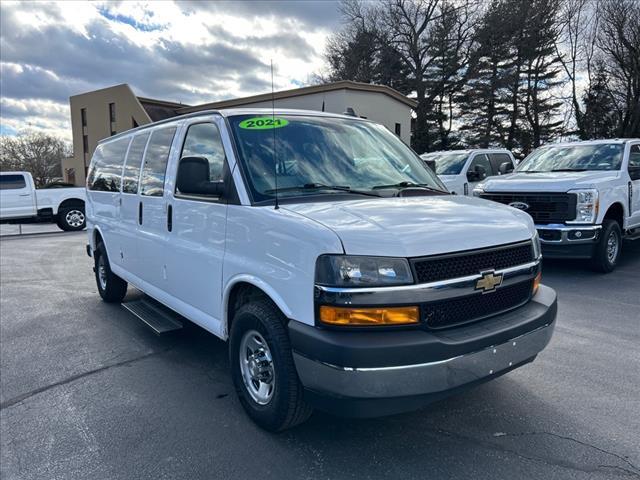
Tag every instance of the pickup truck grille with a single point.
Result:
(473, 262)
(543, 207)
(457, 311)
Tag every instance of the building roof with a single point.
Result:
(160, 109)
(297, 92)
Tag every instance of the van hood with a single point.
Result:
(547, 181)
(417, 226)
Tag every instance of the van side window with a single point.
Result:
(131, 175)
(12, 182)
(203, 140)
(105, 173)
(155, 161)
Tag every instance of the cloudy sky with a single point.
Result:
(184, 51)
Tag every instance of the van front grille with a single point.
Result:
(472, 262)
(462, 310)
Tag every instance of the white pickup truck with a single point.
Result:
(21, 202)
(339, 268)
(462, 170)
(584, 197)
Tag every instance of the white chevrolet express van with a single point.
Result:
(342, 273)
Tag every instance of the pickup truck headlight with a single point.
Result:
(361, 271)
(478, 190)
(587, 206)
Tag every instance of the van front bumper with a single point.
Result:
(369, 373)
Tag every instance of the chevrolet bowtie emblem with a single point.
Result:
(489, 281)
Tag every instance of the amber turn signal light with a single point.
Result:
(536, 282)
(369, 316)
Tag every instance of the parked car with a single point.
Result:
(21, 202)
(462, 170)
(342, 273)
(584, 197)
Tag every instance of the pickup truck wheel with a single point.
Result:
(607, 251)
(71, 219)
(112, 288)
(262, 368)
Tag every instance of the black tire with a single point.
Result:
(71, 219)
(286, 407)
(112, 288)
(604, 259)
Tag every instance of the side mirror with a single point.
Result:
(506, 167)
(193, 178)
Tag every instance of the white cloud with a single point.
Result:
(188, 51)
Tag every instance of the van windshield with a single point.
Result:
(573, 158)
(312, 155)
(449, 163)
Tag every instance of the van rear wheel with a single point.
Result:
(111, 287)
(262, 368)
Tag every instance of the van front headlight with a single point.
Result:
(362, 271)
(586, 206)
(537, 249)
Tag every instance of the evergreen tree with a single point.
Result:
(599, 118)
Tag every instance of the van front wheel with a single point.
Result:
(111, 287)
(262, 368)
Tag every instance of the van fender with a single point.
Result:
(258, 283)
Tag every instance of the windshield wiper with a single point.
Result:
(322, 186)
(409, 185)
(569, 170)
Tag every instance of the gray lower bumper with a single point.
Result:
(425, 378)
(568, 235)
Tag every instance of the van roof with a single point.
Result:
(231, 112)
(592, 142)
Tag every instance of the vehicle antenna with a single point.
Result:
(275, 156)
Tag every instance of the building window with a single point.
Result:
(85, 146)
(398, 129)
(83, 115)
(112, 118)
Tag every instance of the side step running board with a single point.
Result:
(158, 317)
(633, 234)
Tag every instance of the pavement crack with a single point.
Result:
(584, 444)
(20, 398)
(550, 462)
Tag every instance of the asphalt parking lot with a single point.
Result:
(87, 391)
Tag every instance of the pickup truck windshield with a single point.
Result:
(324, 155)
(573, 158)
(449, 163)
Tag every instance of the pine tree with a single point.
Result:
(599, 118)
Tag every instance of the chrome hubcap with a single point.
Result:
(102, 273)
(612, 247)
(75, 218)
(256, 365)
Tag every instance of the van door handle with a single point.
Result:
(25, 194)
(140, 213)
(169, 218)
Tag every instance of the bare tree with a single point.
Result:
(619, 44)
(37, 153)
(576, 48)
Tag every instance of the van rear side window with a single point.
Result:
(155, 161)
(131, 175)
(105, 173)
